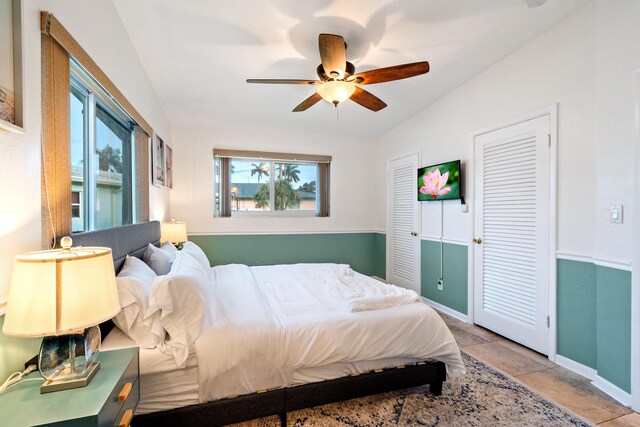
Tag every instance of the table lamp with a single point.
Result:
(62, 295)
(174, 232)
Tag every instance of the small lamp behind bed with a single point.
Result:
(174, 232)
(62, 295)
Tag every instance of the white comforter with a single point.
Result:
(273, 321)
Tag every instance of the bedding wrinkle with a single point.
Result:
(186, 300)
(243, 349)
(278, 325)
(163, 386)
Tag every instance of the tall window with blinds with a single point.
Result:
(95, 144)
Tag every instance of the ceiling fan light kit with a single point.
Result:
(338, 81)
(336, 91)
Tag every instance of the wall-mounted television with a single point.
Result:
(440, 182)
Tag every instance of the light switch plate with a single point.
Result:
(615, 214)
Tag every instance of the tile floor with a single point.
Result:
(545, 377)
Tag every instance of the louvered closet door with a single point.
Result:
(511, 271)
(404, 239)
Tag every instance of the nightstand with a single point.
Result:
(109, 400)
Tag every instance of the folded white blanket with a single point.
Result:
(362, 293)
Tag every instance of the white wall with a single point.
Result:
(352, 204)
(556, 67)
(98, 29)
(618, 89)
(589, 65)
(618, 58)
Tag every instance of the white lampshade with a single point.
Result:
(336, 91)
(59, 291)
(173, 231)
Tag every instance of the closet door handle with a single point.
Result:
(414, 234)
(478, 240)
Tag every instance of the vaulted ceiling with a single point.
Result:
(198, 54)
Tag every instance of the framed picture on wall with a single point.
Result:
(11, 108)
(168, 170)
(158, 162)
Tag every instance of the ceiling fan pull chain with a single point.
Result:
(337, 116)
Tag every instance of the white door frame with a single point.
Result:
(635, 263)
(552, 112)
(389, 207)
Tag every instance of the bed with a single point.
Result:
(324, 363)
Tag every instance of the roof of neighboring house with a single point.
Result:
(247, 190)
(105, 178)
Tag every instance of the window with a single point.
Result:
(101, 158)
(95, 144)
(250, 183)
(75, 205)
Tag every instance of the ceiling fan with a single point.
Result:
(337, 79)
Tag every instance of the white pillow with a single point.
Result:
(184, 297)
(134, 285)
(159, 259)
(135, 267)
(196, 252)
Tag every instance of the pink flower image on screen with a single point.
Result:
(434, 183)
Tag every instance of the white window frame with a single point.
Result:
(272, 159)
(272, 194)
(95, 95)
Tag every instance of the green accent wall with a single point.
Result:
(577, 311)
(594, 319)
(613, 328)
(455, 289)
(380, 255)
(14, 352)
(355, 249)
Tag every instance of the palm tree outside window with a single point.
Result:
(269, 186)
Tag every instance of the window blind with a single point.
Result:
(141, 183)
(56, 152)
(244, 154)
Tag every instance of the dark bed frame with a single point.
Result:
(133, 240)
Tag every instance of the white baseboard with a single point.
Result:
(576, 367)
(612, 390)
(446, 310)
(380, 279)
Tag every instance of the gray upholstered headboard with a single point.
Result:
(125, 240)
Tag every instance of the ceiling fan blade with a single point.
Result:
(367, 100)
(333, 54)
(388, 74)
(285, 81)
(309, 102)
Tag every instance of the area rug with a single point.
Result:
(483, 397)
